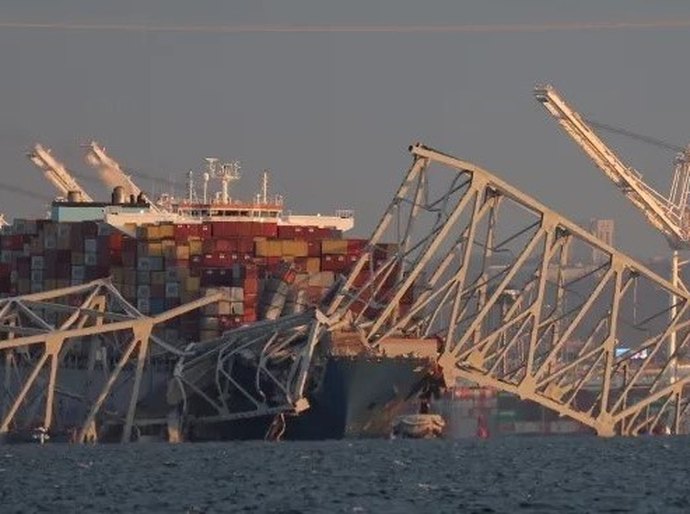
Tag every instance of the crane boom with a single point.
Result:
(663, 214)
(110, 171)
(56, 172)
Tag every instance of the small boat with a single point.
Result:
(418, 426)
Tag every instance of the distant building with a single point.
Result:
(601, 229)
(580, 254)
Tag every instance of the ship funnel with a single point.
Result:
(73, 196)
(118, 196)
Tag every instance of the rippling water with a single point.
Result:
(576, 474)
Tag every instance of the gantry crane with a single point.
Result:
(109, 169)
(112, 175)
(668, 214)
(56, 172)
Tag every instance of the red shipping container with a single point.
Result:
(300, 264)
(23, 266)
(333, 263)
(356, 246)
(313, 248)
(251, 286)
(270, 229)
(251, 271)
(286, 232)
(116, 258)
(245, 245)
(115, 241)
(129, 245)
(208, 246)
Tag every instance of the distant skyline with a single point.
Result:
(329, 96)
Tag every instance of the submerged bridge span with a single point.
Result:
(490, 273)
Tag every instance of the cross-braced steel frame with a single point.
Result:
(89, 325)
(493, 275)
(257, 370)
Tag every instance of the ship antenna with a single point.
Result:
(229, 171)
(190, 186)
(207, 177)
(264, 186)
(212, 164)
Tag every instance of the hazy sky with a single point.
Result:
(163, 84)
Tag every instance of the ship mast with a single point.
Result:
(264, 186)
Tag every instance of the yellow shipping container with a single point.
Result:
(334, 246)
(269, 248)
(166, 231)
(192, 284)
(50, 284)
(154, 250)
(295, 248)
(275, 248)
(313, 265)
(152, 232)
(182, 252)
(77, 259)
(195, 246)
(62, 283)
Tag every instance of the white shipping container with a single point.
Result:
(90, 246)
(37, 262)
(172, 290)
(236, 294)
(144, 264)
(50, 242)
(143, 305)
(237, 308)
(63, 229)
(143, 291)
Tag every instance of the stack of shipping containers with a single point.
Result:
(169, 264)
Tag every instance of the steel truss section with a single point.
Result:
(90, 328)
(257, 370)
(493, 275)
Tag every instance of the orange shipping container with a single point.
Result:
(294, 248)
(334, 246)
(313, 265)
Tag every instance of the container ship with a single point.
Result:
(268, 262)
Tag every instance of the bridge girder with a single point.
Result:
(490, 272)
(41, 332)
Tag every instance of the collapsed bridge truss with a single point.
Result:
(493, 275)
(46, 336)
(517, 297)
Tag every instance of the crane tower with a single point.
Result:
(56, 172)
(668, 214)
